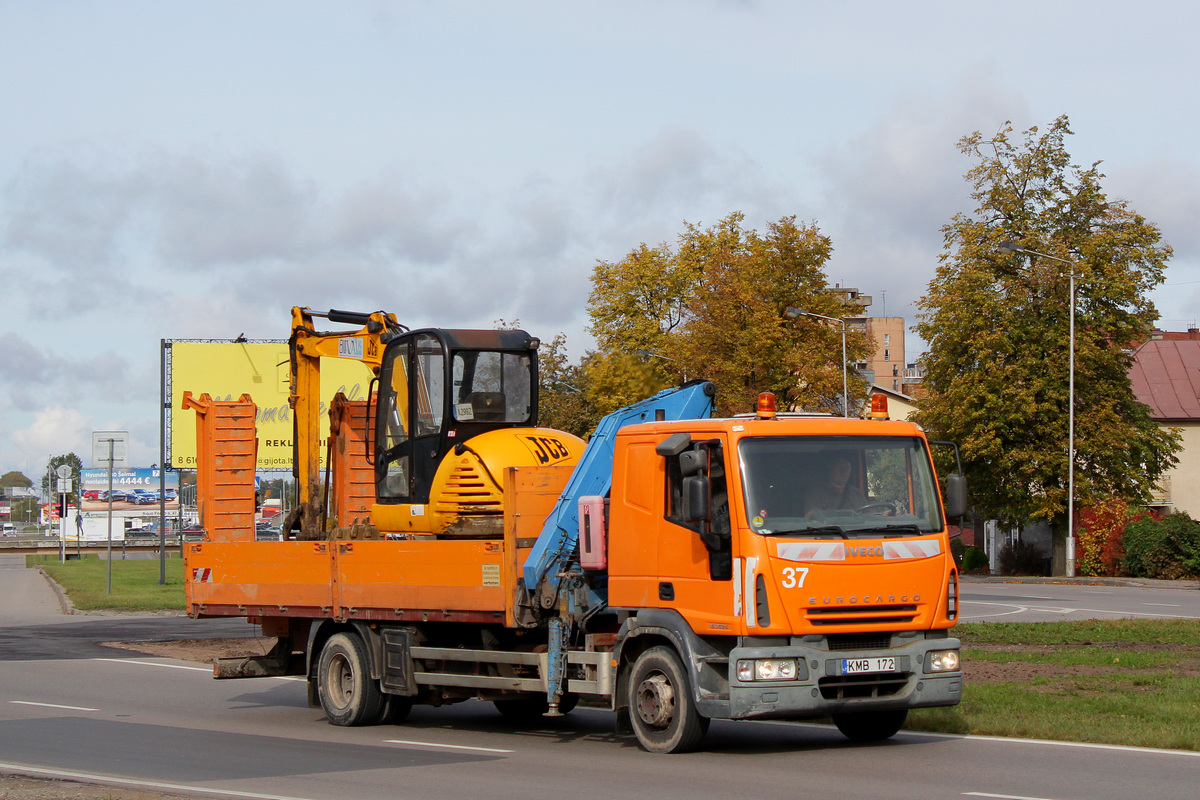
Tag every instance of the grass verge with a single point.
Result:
(135, 584)
(1127, 682)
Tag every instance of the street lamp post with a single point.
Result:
(1010, 248)
(792, 312)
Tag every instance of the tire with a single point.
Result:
(525, 710)
(348, 695)
(870, 726)
(661, 708)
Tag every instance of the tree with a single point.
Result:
(714, 308)
(50, 490)
(562, 401)
(997, 328)
(15, 480)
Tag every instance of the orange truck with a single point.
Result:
(676, 569)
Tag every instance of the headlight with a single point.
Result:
(767, 669)
(943, 661)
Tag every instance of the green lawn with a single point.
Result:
(135, 584)
(1129, 682)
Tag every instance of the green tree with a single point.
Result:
(997, 329)
(562, 397)
(713, 308)
(71, 460)
(15, 480)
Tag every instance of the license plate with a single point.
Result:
(857, 666)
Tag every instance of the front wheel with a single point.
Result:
(664, 716)
(348, 695)
(870, 726)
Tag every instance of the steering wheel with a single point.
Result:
(882, 509)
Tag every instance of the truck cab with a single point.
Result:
(797, 566)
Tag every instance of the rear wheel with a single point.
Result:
(348, 695)
(661, 709)
(870, 726)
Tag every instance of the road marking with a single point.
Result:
(1122, 748)
(154, 664)
(193, 669)
(1164, 605)
(1003, 796)
(1001, 739)
(51, 705)
(21, 769)
(449, 746)
(1061, 610)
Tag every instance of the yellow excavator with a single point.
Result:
(452, 410)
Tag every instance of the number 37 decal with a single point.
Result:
(793, 577)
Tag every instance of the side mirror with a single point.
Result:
(695, 499)
(956, 495)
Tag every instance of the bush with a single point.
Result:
(1022, 558)
(1168, 549)
(1100, 531)
(974, 558)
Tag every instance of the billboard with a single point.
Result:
(134, 491)
(227, 370)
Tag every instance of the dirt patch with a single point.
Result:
(13, 787)
(977, 670)
(202, 650)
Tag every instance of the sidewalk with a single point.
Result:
(25, 592)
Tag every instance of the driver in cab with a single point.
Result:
(836, 492)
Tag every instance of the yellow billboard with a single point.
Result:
(227, 370)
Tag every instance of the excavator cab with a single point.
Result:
(438, 390)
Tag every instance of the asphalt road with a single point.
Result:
(72, 707)
(1032, 600)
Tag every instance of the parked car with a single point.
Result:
(142, 497)
(193, 533)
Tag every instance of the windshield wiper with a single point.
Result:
(815, 531)
(902, 529)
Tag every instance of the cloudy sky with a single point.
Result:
(193, 170)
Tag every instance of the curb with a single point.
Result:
(64, 602)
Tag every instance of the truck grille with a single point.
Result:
(861, 615)
(848, 687)
(859, 641)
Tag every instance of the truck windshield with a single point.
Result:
(839, 486)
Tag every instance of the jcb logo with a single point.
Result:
(372, 348)
(546, 449)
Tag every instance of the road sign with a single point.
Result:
(63, 471)
(106, 442)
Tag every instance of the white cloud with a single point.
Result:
(54, 430)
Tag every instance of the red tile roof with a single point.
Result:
(1166, 376)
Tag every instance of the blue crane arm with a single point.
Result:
(555, 547)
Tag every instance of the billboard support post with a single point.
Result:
(162, 464)
(108, 580)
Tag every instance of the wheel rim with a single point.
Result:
(656, 700)
(341, 681)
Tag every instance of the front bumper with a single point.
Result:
(821, 688)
